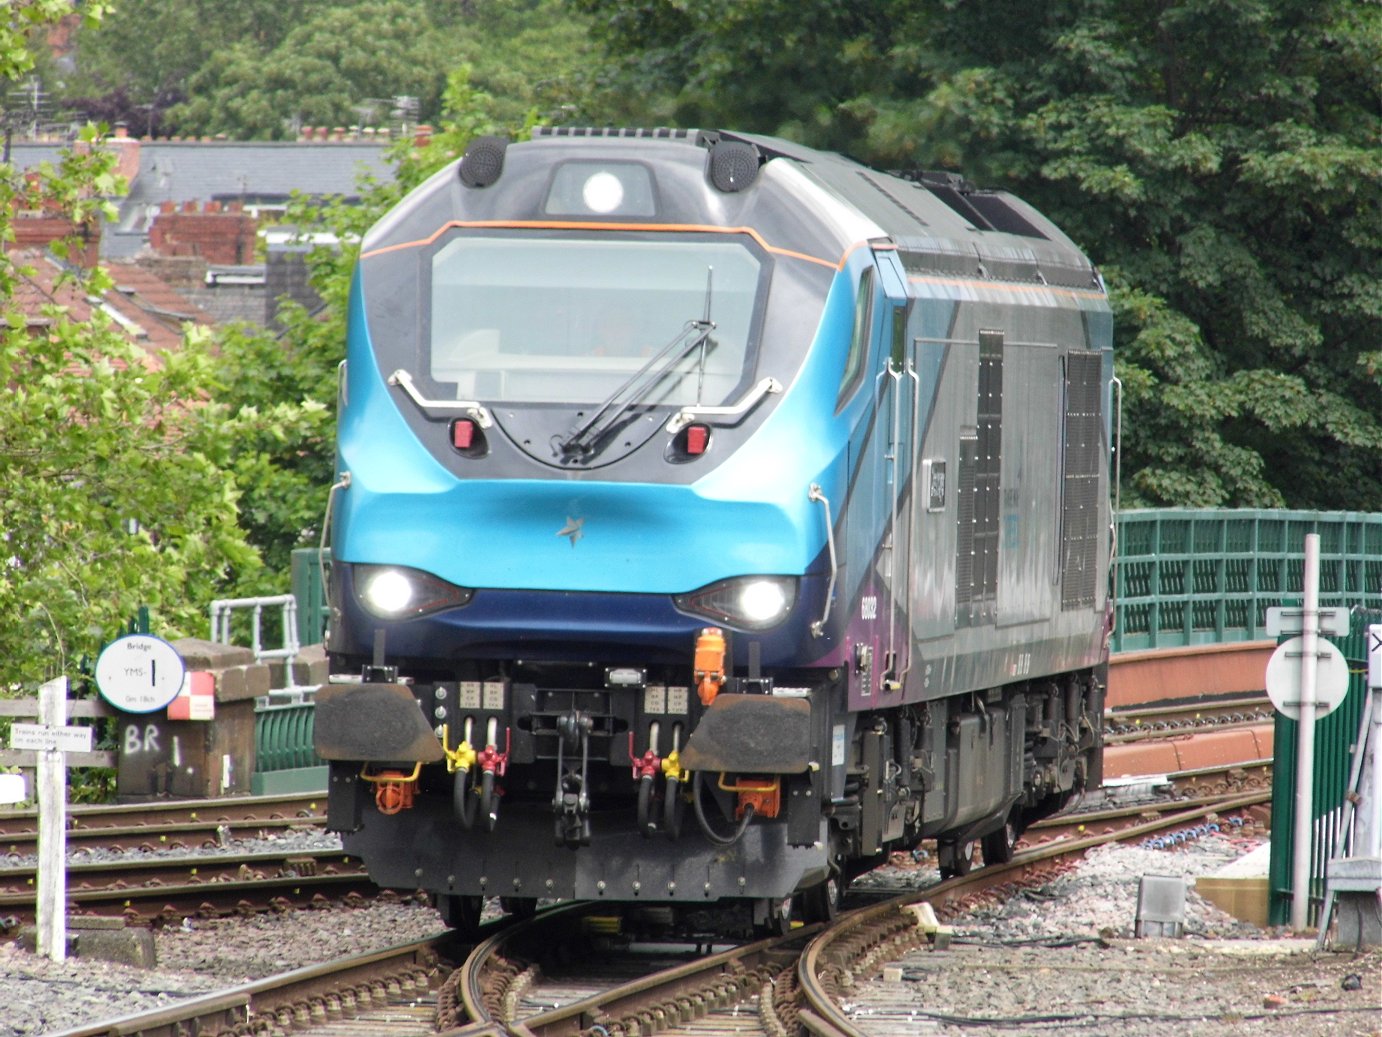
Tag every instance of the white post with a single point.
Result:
(1305, 743)
(1368, 840)
(52, 827)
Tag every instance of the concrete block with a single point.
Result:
(1240, 887)
(1356, 882)
(242, 682)
(1160, 906)
(230, 685)
(101, 939)
(208, 655)
(97, 938)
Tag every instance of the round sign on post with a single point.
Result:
(139, 673)
(12, 789)
(1283, 677)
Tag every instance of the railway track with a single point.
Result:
(386, 993)
(1131, 725)
(175, 887)
(164, 887)
(508, 985)
(168, 824)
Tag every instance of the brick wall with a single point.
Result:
(210, 232)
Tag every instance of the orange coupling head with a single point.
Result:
(710, 663)
(393, 790)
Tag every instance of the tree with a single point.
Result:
(1217, 158)
(145, 52)
(319, 74)
(107, 504)
(256, 69)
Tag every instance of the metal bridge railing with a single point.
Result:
(285, 761)
(1205, 576)
(223, 628)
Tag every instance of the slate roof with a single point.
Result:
(228, 170)
(257, 173)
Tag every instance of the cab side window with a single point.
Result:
(859, 339)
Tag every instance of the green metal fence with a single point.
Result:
(285, 761)
(307, 588)
(1187, 577)
(1335, 736)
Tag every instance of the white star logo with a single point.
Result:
(572, 529)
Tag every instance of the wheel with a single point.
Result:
(998, 846)
(956, 858)
(821, 902)
(519, 907)
(461, 913)
(773, 917)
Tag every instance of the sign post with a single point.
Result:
(1305, 746)
(52, 740)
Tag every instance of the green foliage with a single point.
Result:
(1218, 158)
(258, 70)
(108, 505)
(328, 70)
(96, 436)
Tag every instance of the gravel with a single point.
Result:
(1063, 957)
(42, 996)
(1058, 958)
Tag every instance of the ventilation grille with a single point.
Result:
(1080, 482)
(981, 465)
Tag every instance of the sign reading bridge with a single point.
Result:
(139, 673)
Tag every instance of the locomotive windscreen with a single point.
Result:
(568, 319)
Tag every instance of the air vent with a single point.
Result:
(985, 210)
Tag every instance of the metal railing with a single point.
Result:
(285, 761)
(222, 627)
(1206, 576)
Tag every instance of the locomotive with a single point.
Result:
(714, 517)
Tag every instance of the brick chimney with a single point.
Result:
(205, 232)
(36, 224)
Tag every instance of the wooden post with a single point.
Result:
(52, 826)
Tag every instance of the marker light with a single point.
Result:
(746, 602)
(463, 434)
(396, 592)
(697, 439)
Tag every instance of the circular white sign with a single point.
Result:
(139, 673)
(1283, 677)
(12, 788)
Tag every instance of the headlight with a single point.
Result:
(747, 602)
(396, 592)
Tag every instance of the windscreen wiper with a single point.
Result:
(582, 442)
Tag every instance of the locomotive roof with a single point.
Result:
(940, 224)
